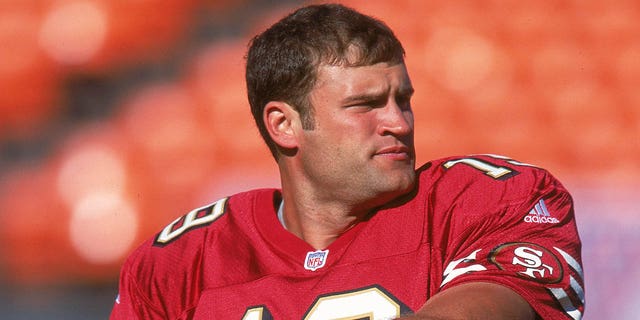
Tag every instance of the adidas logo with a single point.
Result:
(540, 214)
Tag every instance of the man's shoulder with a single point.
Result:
(170, 268)
(483, 168)
(485, 176)
(182, 241)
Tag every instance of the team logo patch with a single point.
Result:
(315, 259)
(528, 260)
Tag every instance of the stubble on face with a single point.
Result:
(346, 155)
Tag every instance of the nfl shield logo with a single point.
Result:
(316, 259)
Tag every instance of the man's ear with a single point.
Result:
(281, 121)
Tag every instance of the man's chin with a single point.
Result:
(401, 186)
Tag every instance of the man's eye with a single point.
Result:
(360, 107)
(375, 103)
(368, 105)
(404, 102)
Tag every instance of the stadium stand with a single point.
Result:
(163, 124)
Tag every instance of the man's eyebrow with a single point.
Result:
(369, 96)
(377, 95)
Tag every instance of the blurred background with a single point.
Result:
(118, 116)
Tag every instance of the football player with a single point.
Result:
(356, 231)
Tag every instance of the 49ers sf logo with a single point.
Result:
(528, 260)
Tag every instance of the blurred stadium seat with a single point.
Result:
(27, 78)
(552, 83)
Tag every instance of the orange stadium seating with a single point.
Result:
(552, 83)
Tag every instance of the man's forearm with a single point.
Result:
(477, 300)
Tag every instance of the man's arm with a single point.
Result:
(475, 300)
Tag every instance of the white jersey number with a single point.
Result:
(367, 303)
(489, 169)
(196, 218)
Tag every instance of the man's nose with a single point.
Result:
(396, 120)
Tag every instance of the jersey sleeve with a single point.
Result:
(513, 224)
(131, 302)
(160, 282)
(162, 279)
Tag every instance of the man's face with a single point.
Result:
(361, 149)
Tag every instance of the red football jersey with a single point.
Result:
(477, 218)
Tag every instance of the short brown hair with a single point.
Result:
(282, 62)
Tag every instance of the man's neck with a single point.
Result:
(318, 225)
(315, 213)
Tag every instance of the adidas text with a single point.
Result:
(537, 219)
